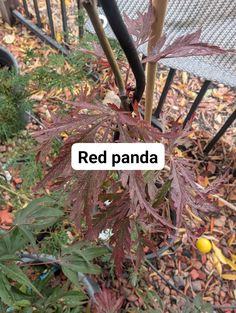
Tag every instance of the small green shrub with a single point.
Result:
(13, 103)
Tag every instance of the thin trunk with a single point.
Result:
(159, 11)
(93, 15)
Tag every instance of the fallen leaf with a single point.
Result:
(194, 274)
(203, 181)
(233, 256)
(211, 167)
(9, 39)
(5, 217)
(59, 37)
(17, 180)
(229, 276)
(231, 239)
(219, 254)
(231, 264)
(220, 222)
(217, 264)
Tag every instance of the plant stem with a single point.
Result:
(23, 197)
(159, 11)
(93, 15)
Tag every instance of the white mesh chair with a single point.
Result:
(217, 20)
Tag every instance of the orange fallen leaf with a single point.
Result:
(17, 180)
(5, 217)
(203, 181)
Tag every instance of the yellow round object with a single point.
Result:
(203, 245)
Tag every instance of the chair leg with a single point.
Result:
(220, 133)
(164, 92)
(197, 101)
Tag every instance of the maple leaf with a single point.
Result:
(140, 27)
(138, 197)
(97, 51)
(85, 187)
(122, 240)
(84, 195)
(115, 216)
(184, 46)
(108, 302)
(185, 190)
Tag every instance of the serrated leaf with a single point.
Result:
(71, 275)
(88, 254)
(8, 257)
(39, 214)
(28, 235)
(11, 242)
(184, 46)
(77, 264)
(162, 193)
(107, 301)
(185, 192)
(5, 291)
(74, 298)
(15, 273)
(140, 27)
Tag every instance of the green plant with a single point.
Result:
(14, 103)
(24, 294)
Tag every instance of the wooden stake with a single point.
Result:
(159, 11)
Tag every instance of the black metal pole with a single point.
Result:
(64, 20)
(36, 8)
(81, 27)
(39, 33)
(50, 18)
(25, 5)
(197, 101)
(164, 92)
(120, 30)
(220, 133)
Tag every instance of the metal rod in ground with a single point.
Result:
(39, 33)
(197, 101)
(154, 121)
(220, 133)
(25, 5)
(81, 27)
(38, 17)
(164, 92)
(64, 20)
(50, 18)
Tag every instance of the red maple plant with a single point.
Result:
(137, 200)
